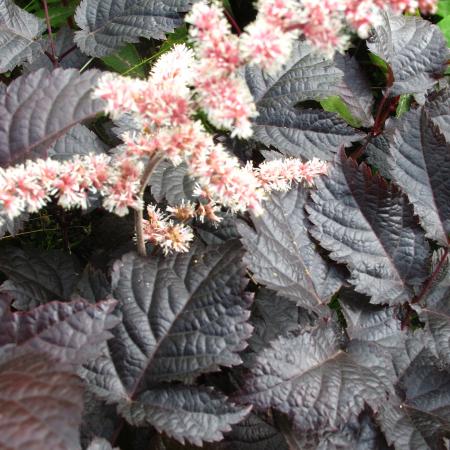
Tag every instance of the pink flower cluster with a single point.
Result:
(276, 175)
(188, 210)
(268, 41)
(280, 174)
(164, 109)
(165, 106)
(221, 92)
(160, 230)
(171, 236)
(28, 187)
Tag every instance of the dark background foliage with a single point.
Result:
(322, 324)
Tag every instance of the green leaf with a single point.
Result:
(444, 26)
(226, 4)
(179, 36)
(404, 104)
(443, 8)
(126, 60)
(336, 105)
(380, 63)
(58, 14)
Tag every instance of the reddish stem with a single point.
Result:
(52, 55)
(384, 110)
(233, 22)
(430, 280)
(64, 54)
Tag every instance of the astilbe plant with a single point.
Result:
(265, 258)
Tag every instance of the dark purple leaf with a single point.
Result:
(40, 107)
(318, 384)
(40, 402)
(19, 31)
(181, 316)
(381, 325)
(369, 225)
(79, 140)
(439, 111)
(93, 285)
(283, 256)
(415, 50)
(304, 133)
(421, 167)
(420, 418)
(186, 413)
(377, 152)
(360, 433)
(308, 75)
(36, 277)
(100, 420)
(63, 43)
(274, 316)
(354, 90)
(436, 309)
(252, 433)
(172, 183)
(107, 25)
(70, 332)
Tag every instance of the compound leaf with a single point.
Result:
(40, 107)
(369, 225)
(181, 316)
(283, 256)
(107, 25)
(415, 50)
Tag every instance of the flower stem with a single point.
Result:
(233, 22)
(139, 214)
(52, 54)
